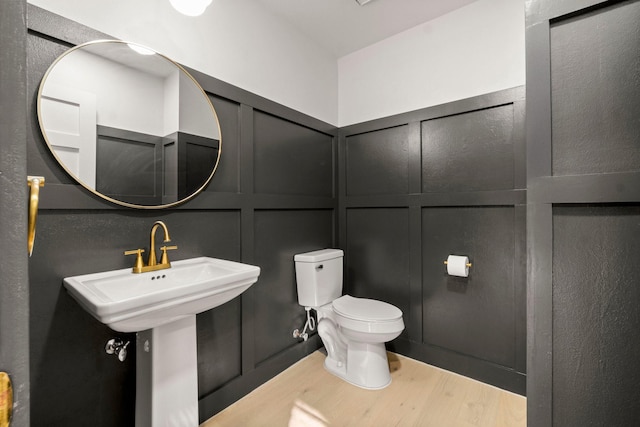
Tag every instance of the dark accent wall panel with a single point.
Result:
(227, 174)
(219, 331)
(594, 71)
(596, 313)
(200, 158)
(377, 162)
(473, 315)
(279, 235)
(74, 382)
(169, 168)
(472, 151)
(219, 346)
(583, 189)
(376, 256)
(291, 159)
(419, 186)
(14, 277)
(129, 165)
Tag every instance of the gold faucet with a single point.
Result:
(152, 263)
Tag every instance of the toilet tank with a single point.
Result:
(319, 276)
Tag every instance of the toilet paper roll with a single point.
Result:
(457, 265)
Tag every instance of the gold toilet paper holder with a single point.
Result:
(467, 264)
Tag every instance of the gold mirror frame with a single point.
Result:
(181, 71)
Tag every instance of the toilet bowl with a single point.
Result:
(353, 330)
(363, 326)
(367, 320)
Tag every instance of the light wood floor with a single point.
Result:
(306, 395)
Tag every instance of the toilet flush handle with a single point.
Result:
(320, 267)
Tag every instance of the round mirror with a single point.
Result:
(129, 124)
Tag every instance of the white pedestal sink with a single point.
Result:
(161, 306)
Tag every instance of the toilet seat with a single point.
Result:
(365, 309)
(367, 315)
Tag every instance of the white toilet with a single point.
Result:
(353, 330)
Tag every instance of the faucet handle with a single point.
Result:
(137, 268)
(164, 249)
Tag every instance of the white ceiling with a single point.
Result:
(342, 26)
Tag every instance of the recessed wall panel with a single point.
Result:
(471, 151)
(596, 313)
(474, 315)
(219, 346)
(279, 235)
(127, 168)
(200, 159)
(72, 381)
(377, 256)
(67, 343)
(595, 91)
(290, 158)
(378, 162)
(219, 331)
(226, 176)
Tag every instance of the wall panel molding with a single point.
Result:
(573, 274)
(490, 100)
(14, 264)
(238, 348)
(407, 134)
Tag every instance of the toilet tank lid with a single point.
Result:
(318, 256)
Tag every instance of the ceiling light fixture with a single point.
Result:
(362, 2)
(190, 7)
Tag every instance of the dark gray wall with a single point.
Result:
(419, 186)
(272, 196)
(596, 315)
(129, 166)
(14, 285)
(583, 163)
(395, 200)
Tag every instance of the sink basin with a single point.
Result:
(161, 306)
(129, 302)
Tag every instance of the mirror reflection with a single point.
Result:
(129, 124)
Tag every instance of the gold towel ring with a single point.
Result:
(35, 182)
(6, 399)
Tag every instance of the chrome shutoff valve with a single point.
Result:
(118, 347)
(309, 324)
(298, 334)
